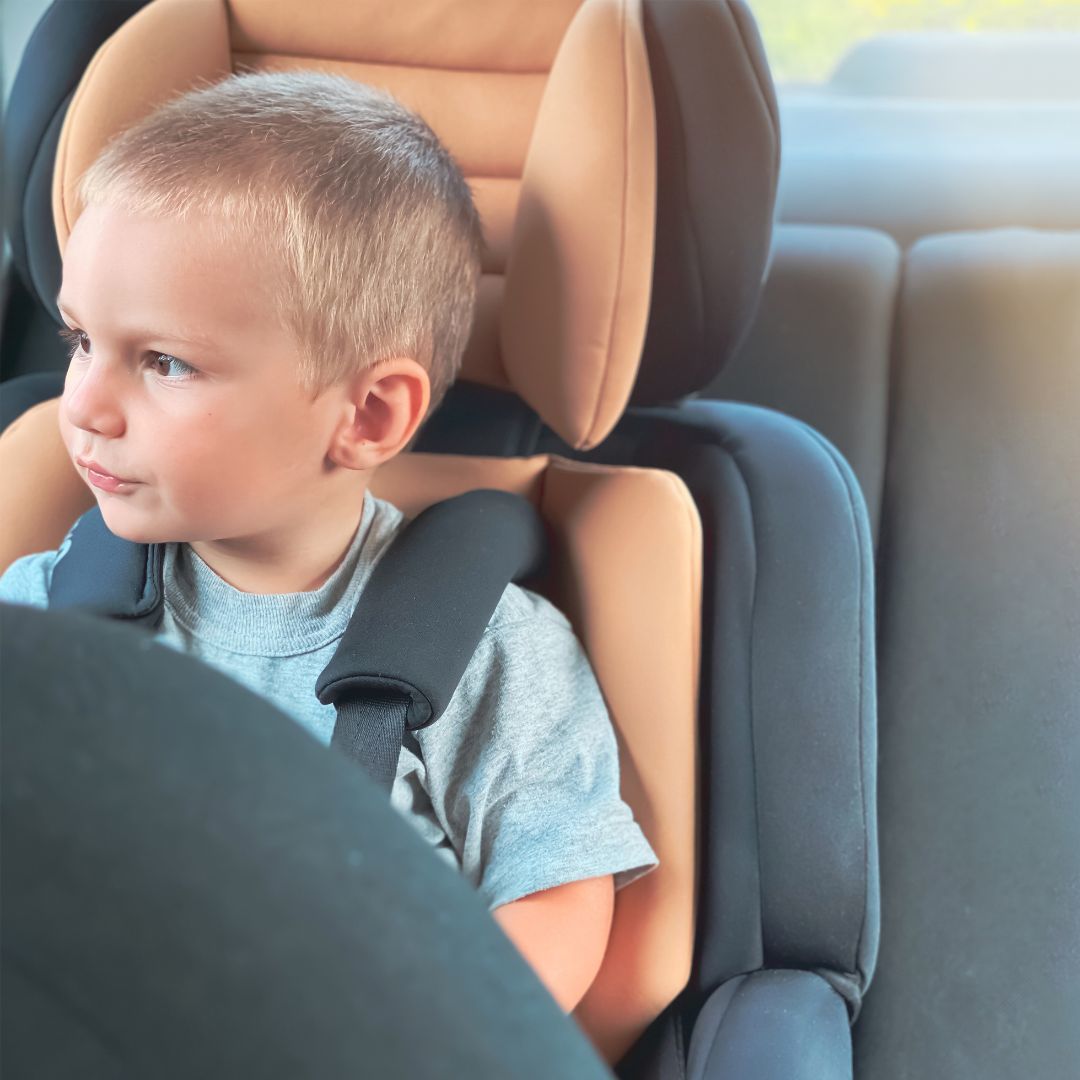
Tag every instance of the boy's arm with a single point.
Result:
(563, 933)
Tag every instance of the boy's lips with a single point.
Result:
(100, 472)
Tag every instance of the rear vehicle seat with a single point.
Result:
(819, 346)
(979, 618)
(980, 666)
(950, 379)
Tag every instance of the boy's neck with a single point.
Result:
(300, 559)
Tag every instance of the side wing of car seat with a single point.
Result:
(61, 45)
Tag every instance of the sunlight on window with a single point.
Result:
(804, 39)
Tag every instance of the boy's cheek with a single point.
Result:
(67, 432)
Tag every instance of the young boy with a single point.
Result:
(271, 285)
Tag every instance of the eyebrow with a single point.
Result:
(186, 339)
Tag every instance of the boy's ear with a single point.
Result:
(383, 407)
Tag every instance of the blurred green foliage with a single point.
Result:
(805, 38)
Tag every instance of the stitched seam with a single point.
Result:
(65, 131)
(719, 1027)
(721, 442)
(64, 104)
(830, 452)
(55, 988)
(260, 53)
(751, 658)
(695, 587)
(180, 617)
(723, 445)
(606, 375)
(680, 1043)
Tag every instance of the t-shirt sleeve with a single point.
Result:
(522, 769)
(26, 580)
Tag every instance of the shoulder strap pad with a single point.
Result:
(430, 598)
(103, 574)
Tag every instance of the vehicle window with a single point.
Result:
(805, 39)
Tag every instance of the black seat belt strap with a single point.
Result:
(420, 619)
(370, 729)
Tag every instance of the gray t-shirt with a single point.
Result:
(516, 784)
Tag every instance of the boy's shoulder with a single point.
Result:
(520, 608)
(27, 579)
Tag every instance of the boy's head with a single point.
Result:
(259, 264)
(369, 237)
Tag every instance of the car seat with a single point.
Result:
(714, 559)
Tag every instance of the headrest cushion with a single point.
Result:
(718, 161)
(574, 355)
(555, 112)
(577, 285)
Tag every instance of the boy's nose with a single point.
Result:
(91, 399)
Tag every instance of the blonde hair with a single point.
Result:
(366, 220)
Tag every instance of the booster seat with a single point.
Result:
(626, 242)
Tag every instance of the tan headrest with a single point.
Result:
(547, 105)
(633, 595)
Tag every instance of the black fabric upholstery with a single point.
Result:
(660, 1053)
(772, 1025)
(480, 421)
(714, 208)
(54, 60)
(193, 886)
(21, 393)
(979, 652)
(29, 336)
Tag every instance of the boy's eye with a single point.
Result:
(171, 366)
(77, 341)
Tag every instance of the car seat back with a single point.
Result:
(547, 109)
(578, 256)
(787, 853)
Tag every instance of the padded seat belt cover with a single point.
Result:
(430, 598)
(100, 573)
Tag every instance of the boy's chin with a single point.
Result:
(134, 527)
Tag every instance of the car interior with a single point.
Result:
(794, 383)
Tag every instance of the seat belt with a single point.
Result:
(415, 628)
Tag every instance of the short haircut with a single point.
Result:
(364, 217)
